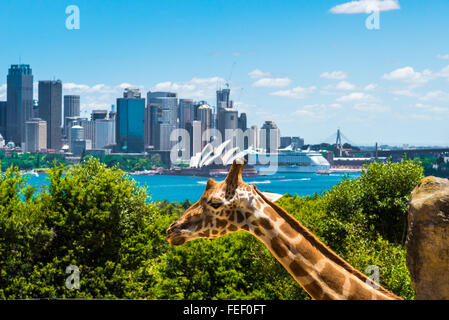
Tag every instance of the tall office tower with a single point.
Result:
(242, 122)
(3, 118)
(154, 117)
(169, 103)
(168, 116)
(223, 102)
(270, 137)
(205, 116)
(35, 111)
(19, 101)
(50, 110)
(186, 112)
(104, 134)
(71, 109)
(295, 142)
(88, 129)
(230, 121)
(129, 126)
(254, 137)
(223, 98)
(98, 114)
(196, 138)
(35, 135)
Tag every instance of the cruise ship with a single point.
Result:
(288, 160)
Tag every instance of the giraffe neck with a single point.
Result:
(321, 272)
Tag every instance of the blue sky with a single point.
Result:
(311, 66)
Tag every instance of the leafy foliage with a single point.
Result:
(98, 219)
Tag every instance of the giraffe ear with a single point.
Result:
(235, 173)
(272, 196)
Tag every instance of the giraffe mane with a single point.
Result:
(325, 250)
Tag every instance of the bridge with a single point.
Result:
(395, 154)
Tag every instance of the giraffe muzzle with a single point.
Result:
(174, 235)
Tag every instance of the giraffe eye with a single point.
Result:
(215, 205)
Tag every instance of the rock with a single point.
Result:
(428, 239)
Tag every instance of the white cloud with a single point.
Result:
(335, 75)
(344, 85)
(443, 56)
(257, 73)
(356, 97)
(435, 96)
(371, 107)
(196, 88)
(370, 87)
(409, 75)
(314, 112)
(272, 82)
(404, 92)
(365, 6)
(430, 112)
(444, 72)
(297, 93)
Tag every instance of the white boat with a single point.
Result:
(288, 160)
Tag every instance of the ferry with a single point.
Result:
(288, 160)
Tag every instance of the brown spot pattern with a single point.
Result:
(279, 247)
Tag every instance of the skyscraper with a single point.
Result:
(3, 118)
(186, 112)
(50, 110)
(104, 133)
(130, 131)
(71, 109)
(19, 101)
(35, 135)
(223, 98)
(270, 137)
(223, 103)
(165, 107)
(98, 114)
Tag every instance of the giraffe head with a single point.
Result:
(224, 207)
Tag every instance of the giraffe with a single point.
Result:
(233, 205)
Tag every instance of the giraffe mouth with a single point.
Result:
(174, 236)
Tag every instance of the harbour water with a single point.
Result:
(181, 188)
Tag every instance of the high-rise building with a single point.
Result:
(130, 129)
(223, 102)
(3, 118)
(165, 106)
(35, 135)
(35, 111)
(186, 112)
(295, 142)
(19, 101)
(196, 138)
(98, 114)
(50, 110)
(223, 98)
(71, 109)
(242, 122)
(104, 133)
(270, 137)
(89, 129)
(154, 116)
(254, 137)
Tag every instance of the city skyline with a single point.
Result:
(376, 85)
